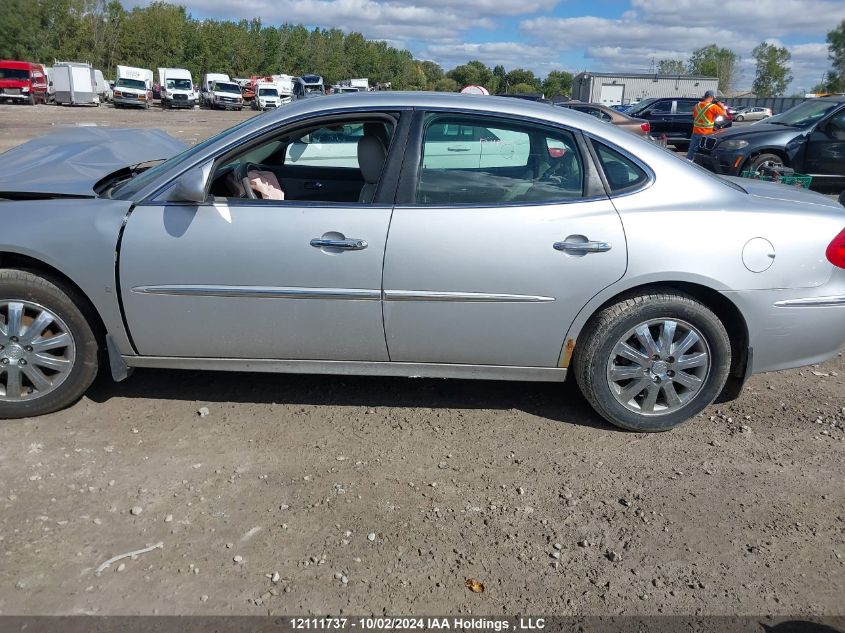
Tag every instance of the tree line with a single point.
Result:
(161, 34)
(773, 72)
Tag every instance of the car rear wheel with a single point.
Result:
(48, 352)
(652, 361)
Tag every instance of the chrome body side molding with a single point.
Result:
(353, 368)
(466, 297)
(813, 302)
(262, 292)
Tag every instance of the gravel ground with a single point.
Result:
(301, 494)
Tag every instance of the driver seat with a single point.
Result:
(371, 157)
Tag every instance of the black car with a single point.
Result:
(670, 116)
(809, 138)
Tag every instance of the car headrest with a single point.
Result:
(371, 155)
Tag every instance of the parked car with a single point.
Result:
(752, 114)
(809, 138)
(556, 256)
(670, 117)
(23, 82)
(266, 96)
(640, 127)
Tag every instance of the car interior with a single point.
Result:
(339, 163)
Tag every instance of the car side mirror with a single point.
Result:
(191, 186)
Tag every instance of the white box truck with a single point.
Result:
(133, 88)
(177, 88)
(205, 87)
(284, 84)
(74, 84)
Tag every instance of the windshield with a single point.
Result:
(221, 87)
(129, 188)
(805, 114)
(268, 92)
(14, 73)
(179, 84)
(130, 83)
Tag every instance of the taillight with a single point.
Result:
(836, 250)
(646, 127)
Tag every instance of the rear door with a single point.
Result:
(825, 156)
(659, 115)
(682, 118)
(490, 265)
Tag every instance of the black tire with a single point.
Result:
(758, 161)
(739, 117)
(606, 328)
(30, 286)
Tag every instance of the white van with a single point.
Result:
(133, 88)
(266, 96)
(205, 86)
(177, 88)
(74, 84)
(103, 88)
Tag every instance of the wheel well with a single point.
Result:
(777, 152)
(16, 260)
(722, 307)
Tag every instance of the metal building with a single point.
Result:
(617, 88)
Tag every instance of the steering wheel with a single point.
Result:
(242, 176)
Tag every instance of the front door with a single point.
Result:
(490, 265)
(826, 149)
(298, 278)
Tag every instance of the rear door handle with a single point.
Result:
(582, 247)
(457, 148)
(348, 244)
(313, 184)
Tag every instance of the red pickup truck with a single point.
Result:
(24, 82)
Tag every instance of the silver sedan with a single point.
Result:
(752, 114)
(410, 235)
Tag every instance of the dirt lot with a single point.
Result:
(287, 494)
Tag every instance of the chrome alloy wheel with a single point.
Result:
(658, 366)
(37, 350)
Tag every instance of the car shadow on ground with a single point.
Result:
(554, 401)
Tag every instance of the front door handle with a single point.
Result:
(457, 148)
(313, 184)
(348, 244)
(582, 247)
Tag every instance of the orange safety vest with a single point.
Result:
(703, 117)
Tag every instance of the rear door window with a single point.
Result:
(504, 163)
(622, 173)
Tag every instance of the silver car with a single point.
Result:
(465, 237)
(752, 114)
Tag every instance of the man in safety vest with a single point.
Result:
(704, 120)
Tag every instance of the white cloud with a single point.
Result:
(510, 54)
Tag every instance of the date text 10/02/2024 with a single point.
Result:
(418, 624)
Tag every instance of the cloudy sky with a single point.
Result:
(574, 35)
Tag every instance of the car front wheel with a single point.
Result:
(48, 352)
(652, 361)
(739, 117)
